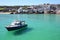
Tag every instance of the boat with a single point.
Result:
(16, 25)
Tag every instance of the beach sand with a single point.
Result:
(5, 12)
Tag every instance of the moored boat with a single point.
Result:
(16, 25)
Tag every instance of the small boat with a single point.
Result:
(16, 25)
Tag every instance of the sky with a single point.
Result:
(27, 2)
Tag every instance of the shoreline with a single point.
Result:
(5, 12)
(24, 13)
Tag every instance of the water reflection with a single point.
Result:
(50, 18)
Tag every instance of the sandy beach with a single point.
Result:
(5, 12)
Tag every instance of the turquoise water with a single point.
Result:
(40, 27)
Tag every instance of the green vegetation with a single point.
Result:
(2, 8)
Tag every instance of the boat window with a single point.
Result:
(16, 23)
(23, 22)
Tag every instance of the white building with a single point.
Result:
(20, 10)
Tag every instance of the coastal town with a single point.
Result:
(32, 9)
